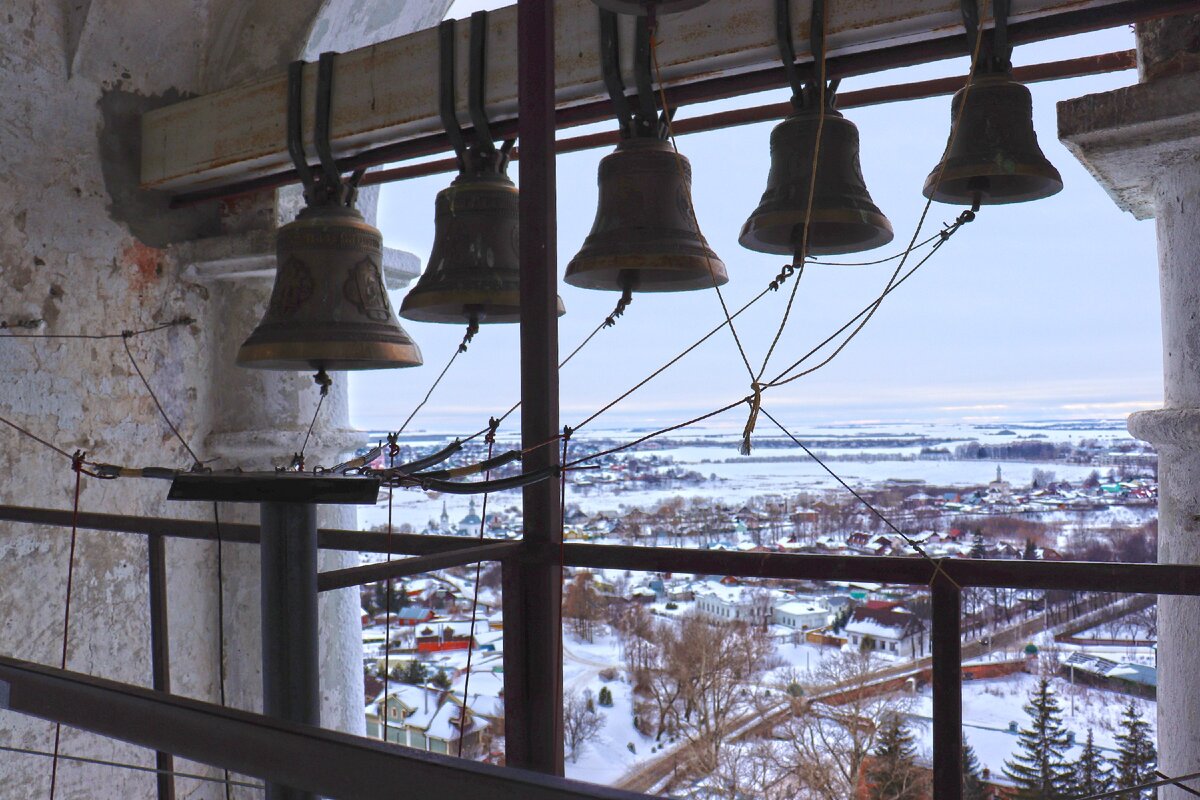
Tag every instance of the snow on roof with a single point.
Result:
(888, 623)
(799, 607)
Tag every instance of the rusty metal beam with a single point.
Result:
(369, 573)
(1035, 73)
(326, 763)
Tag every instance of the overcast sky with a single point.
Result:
(1042, 310)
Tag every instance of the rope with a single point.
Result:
(121, 765)
(393, 451)
(937, 563)
(29, 324)
(322, 380)
(125, 337)
(77, 466)
(36, 438)
(462, 722)
(666, 113)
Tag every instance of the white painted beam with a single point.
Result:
(388, 92)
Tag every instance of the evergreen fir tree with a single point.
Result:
(1136, 755)
(978, 549)
(893, 774)
(973, 786)
(1038, 768)
(1092, 774)
(1030, 553)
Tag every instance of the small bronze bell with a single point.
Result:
(329, 308)
(843, 220)
(994, 157)
(474, 268)
(640, 7)
(645, 237)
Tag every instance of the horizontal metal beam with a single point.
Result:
(327, 763)
(370, 573)
(327, 538)
(387, 94)
(1183, 579)
(936, 87)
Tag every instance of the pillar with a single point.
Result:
(1143, 144)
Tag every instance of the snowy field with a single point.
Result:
(715, 454)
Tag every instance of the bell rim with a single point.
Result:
(935, 189)
(448, 307)
(332, 356)
(603, 273)
(873, 220)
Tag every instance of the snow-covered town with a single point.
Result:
(794, 672)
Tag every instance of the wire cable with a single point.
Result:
(134, 767)
(4, 326)
(125, 341)
(77, 466)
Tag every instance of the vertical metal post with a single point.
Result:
(160, 651)
(291, 675)
(533, 583)
(947, 690)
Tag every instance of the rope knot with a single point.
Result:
(755, 400)
(298, 462)
(566, 434)
(323, 380)
(493, 426)
(77, 460)
(469, 336)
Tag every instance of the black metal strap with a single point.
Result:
(295, 136)
(331, 185)
(446, 40)
(610, 67)
(806, 93)
(1001, 49)
(646, 119)
(995, 55)
(478, 75)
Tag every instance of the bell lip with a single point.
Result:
(449, 307)
(604, 273)
(331, 356)
(751, 237)
(944, 191)
(636, 8)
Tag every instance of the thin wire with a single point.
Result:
(884, 260)
(893, 284)
(462, 721)
(387, 600)
(185, 320)
(154, 397)
(954, 129)
(134, 767)
(653, 435)
(429, 393)
(77, 464)
(221, 621)
(35, 438)
(1148, 785)
(867, 503)
(696, 222)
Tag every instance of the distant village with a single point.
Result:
(445, 671)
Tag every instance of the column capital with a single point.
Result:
(1166, 426)
(1127, 137)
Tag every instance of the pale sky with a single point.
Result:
(1043, 310)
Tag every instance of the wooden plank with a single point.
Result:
(388, 92)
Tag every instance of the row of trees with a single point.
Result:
(1041, 771)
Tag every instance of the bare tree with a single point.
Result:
(822, 747)
(581, 723)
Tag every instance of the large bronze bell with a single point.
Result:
(994, 157)
(474, 268)
(844, 219)
(645, 237)
(329, 308)
(640, 7)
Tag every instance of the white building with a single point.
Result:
(800, 615)
(719, 603)
(893, 631)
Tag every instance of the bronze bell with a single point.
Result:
(994, 157)
(474, 268)
(645, 237)
(844, 219)
(639, 7)
(329, 308)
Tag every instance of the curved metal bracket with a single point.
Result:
(610, 67)
(995, 55)
(295, 136)
(480, 154)
(646, 121)
(326, 186)
(806, 94)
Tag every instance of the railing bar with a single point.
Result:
(946, 600)
(370, 573)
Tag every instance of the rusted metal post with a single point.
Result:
(533, 583)
(947, 689)
(160, 651)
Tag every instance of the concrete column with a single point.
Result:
(1143, 144)
(259, 419)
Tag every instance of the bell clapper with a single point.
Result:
(627, 282)
(323, 380)
(473, 316)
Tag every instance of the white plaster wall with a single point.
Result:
(82, 249)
